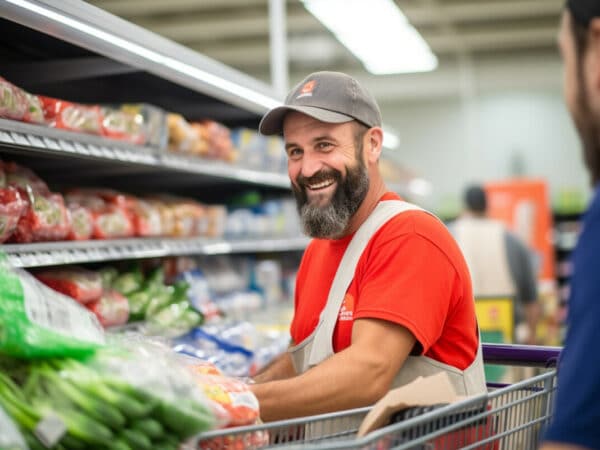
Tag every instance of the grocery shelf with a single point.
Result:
(72, 252)
(70, 31)
(36, 139)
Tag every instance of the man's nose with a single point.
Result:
(311, 164)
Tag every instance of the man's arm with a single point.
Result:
(357, 376)
(280, 368)
(523, 273)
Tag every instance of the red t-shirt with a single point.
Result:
(411, 273)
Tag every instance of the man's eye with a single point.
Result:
(294, 153)
(323, 145)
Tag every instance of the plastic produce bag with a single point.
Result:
(76, 282)
(112, 309)
(36, 321)
(12, 207)
(130, 395)
(10, 437)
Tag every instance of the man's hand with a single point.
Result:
(357, 376)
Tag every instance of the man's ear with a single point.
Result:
(594, 48)
(374, 144)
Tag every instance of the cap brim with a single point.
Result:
(272, 122)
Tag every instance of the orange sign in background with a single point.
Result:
(523, 205)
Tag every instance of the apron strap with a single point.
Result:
(322, 346)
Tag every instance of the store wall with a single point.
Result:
(491, 136)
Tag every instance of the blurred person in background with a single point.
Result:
(500, 263)
(576, 419)
(383, 293)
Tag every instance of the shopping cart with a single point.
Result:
(510, 417)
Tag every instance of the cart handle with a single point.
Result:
(521, 355)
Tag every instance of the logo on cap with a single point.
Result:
(307, 89)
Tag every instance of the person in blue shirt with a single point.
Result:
(576, 421)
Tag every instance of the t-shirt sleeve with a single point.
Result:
(577, 407)
(407, 280)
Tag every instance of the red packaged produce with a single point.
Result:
(12, 207)
(111, 309)
(35, 111)
(83, 285)
(82, 223)
(232, 394)
(90, 198)
(145, 217)
(22, 177)
(123, 125)
(45, 218)
(72, 116)
(13, 103)
(111, 223)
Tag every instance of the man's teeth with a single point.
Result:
(321, 185)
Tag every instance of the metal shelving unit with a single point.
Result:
(49, 141)
(68, 252)
(71, 49)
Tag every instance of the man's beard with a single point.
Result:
(331, 220)
(589, 130)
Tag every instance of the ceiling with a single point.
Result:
(479, 43)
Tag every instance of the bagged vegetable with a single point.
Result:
(78, 283)
(72, 116)
(12, 207)
(130, 396)
(44, 219)
(111, 309)
(36, 321)
(82, 223)
(13, 103)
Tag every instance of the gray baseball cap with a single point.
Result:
(332, 97)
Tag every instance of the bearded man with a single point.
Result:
(383, 293)
(577, 408)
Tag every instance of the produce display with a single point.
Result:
(118, 399)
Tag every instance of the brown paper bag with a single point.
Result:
(421, 392)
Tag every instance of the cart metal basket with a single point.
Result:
(508, 418)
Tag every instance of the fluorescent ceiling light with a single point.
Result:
(167, 61)
(390, 139)
(377, 33)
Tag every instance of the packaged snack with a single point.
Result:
(72, 116)
(40, 322)
(12, 207)
(111, 309)
(13, 103)
(80, 284)
(82, 223)
(185, 138)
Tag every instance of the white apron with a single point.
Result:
(318, 346)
